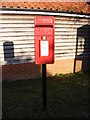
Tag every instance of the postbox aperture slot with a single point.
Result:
(44, 26)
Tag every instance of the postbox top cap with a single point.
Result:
(44, 20)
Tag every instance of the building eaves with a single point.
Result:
(66, 7)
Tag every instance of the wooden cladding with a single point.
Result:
(71, 38)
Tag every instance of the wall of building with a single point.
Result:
(72, 47)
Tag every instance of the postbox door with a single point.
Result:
(44, 45)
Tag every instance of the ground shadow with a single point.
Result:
(83, 48)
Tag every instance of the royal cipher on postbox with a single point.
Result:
(44, 39)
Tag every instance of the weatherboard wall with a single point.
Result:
(17, 40)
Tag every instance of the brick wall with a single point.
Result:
(21, 71)
(30, 70)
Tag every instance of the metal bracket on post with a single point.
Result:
(44, 86)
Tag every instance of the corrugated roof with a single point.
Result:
(75, 7)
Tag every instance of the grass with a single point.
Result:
(67, 97)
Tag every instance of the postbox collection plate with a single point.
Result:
(44, 48)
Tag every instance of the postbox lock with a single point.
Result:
(44, 37)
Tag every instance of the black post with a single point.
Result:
(44, 85)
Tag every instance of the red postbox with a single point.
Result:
(44, 39)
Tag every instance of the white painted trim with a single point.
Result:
(42, 13)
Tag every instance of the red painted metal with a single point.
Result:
(44, 31)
